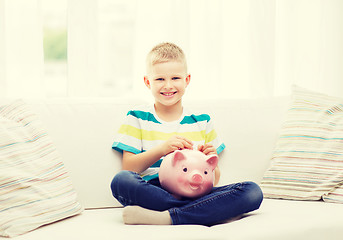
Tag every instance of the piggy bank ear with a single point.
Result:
(178, 156)
(212, 161)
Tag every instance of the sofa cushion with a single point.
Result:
(35, 188)
(307, 163)
(90, 124)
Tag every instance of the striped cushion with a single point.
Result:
(34, 186)
(335, 196)
(307, 163)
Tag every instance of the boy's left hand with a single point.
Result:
(207, 149)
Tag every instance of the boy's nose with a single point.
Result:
(168, 84)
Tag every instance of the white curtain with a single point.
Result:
(82, 48)
(21, 49)
(308, 43)
(235, 48)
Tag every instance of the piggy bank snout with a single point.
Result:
(197, 178)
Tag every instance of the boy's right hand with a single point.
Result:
(176, 143)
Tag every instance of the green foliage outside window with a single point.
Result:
(55, 44)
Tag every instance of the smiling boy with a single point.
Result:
(150, 133)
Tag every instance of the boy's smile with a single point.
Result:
(168, 94)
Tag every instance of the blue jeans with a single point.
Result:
(221, 204)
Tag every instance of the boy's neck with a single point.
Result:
(169, 113)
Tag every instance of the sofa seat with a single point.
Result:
(276, 219)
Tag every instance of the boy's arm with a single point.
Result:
(140, 162)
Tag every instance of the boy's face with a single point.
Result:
(167, 82)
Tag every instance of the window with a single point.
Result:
(97, 48)
(55, 47)
(114, 23)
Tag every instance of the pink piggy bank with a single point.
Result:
(188, 173)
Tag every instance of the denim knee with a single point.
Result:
(254, 195)
(118, 181)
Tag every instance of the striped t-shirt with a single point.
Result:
(143, 129)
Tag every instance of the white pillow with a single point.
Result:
(35, 188)
(307, 162)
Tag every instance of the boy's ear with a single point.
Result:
(147, 82)
(188, 79)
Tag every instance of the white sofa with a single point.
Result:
(83, 132)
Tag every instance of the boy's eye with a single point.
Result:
(159, 79)
(176, 78)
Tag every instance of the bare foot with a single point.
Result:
(139, 215)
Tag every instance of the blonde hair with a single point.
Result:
(165, 52)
